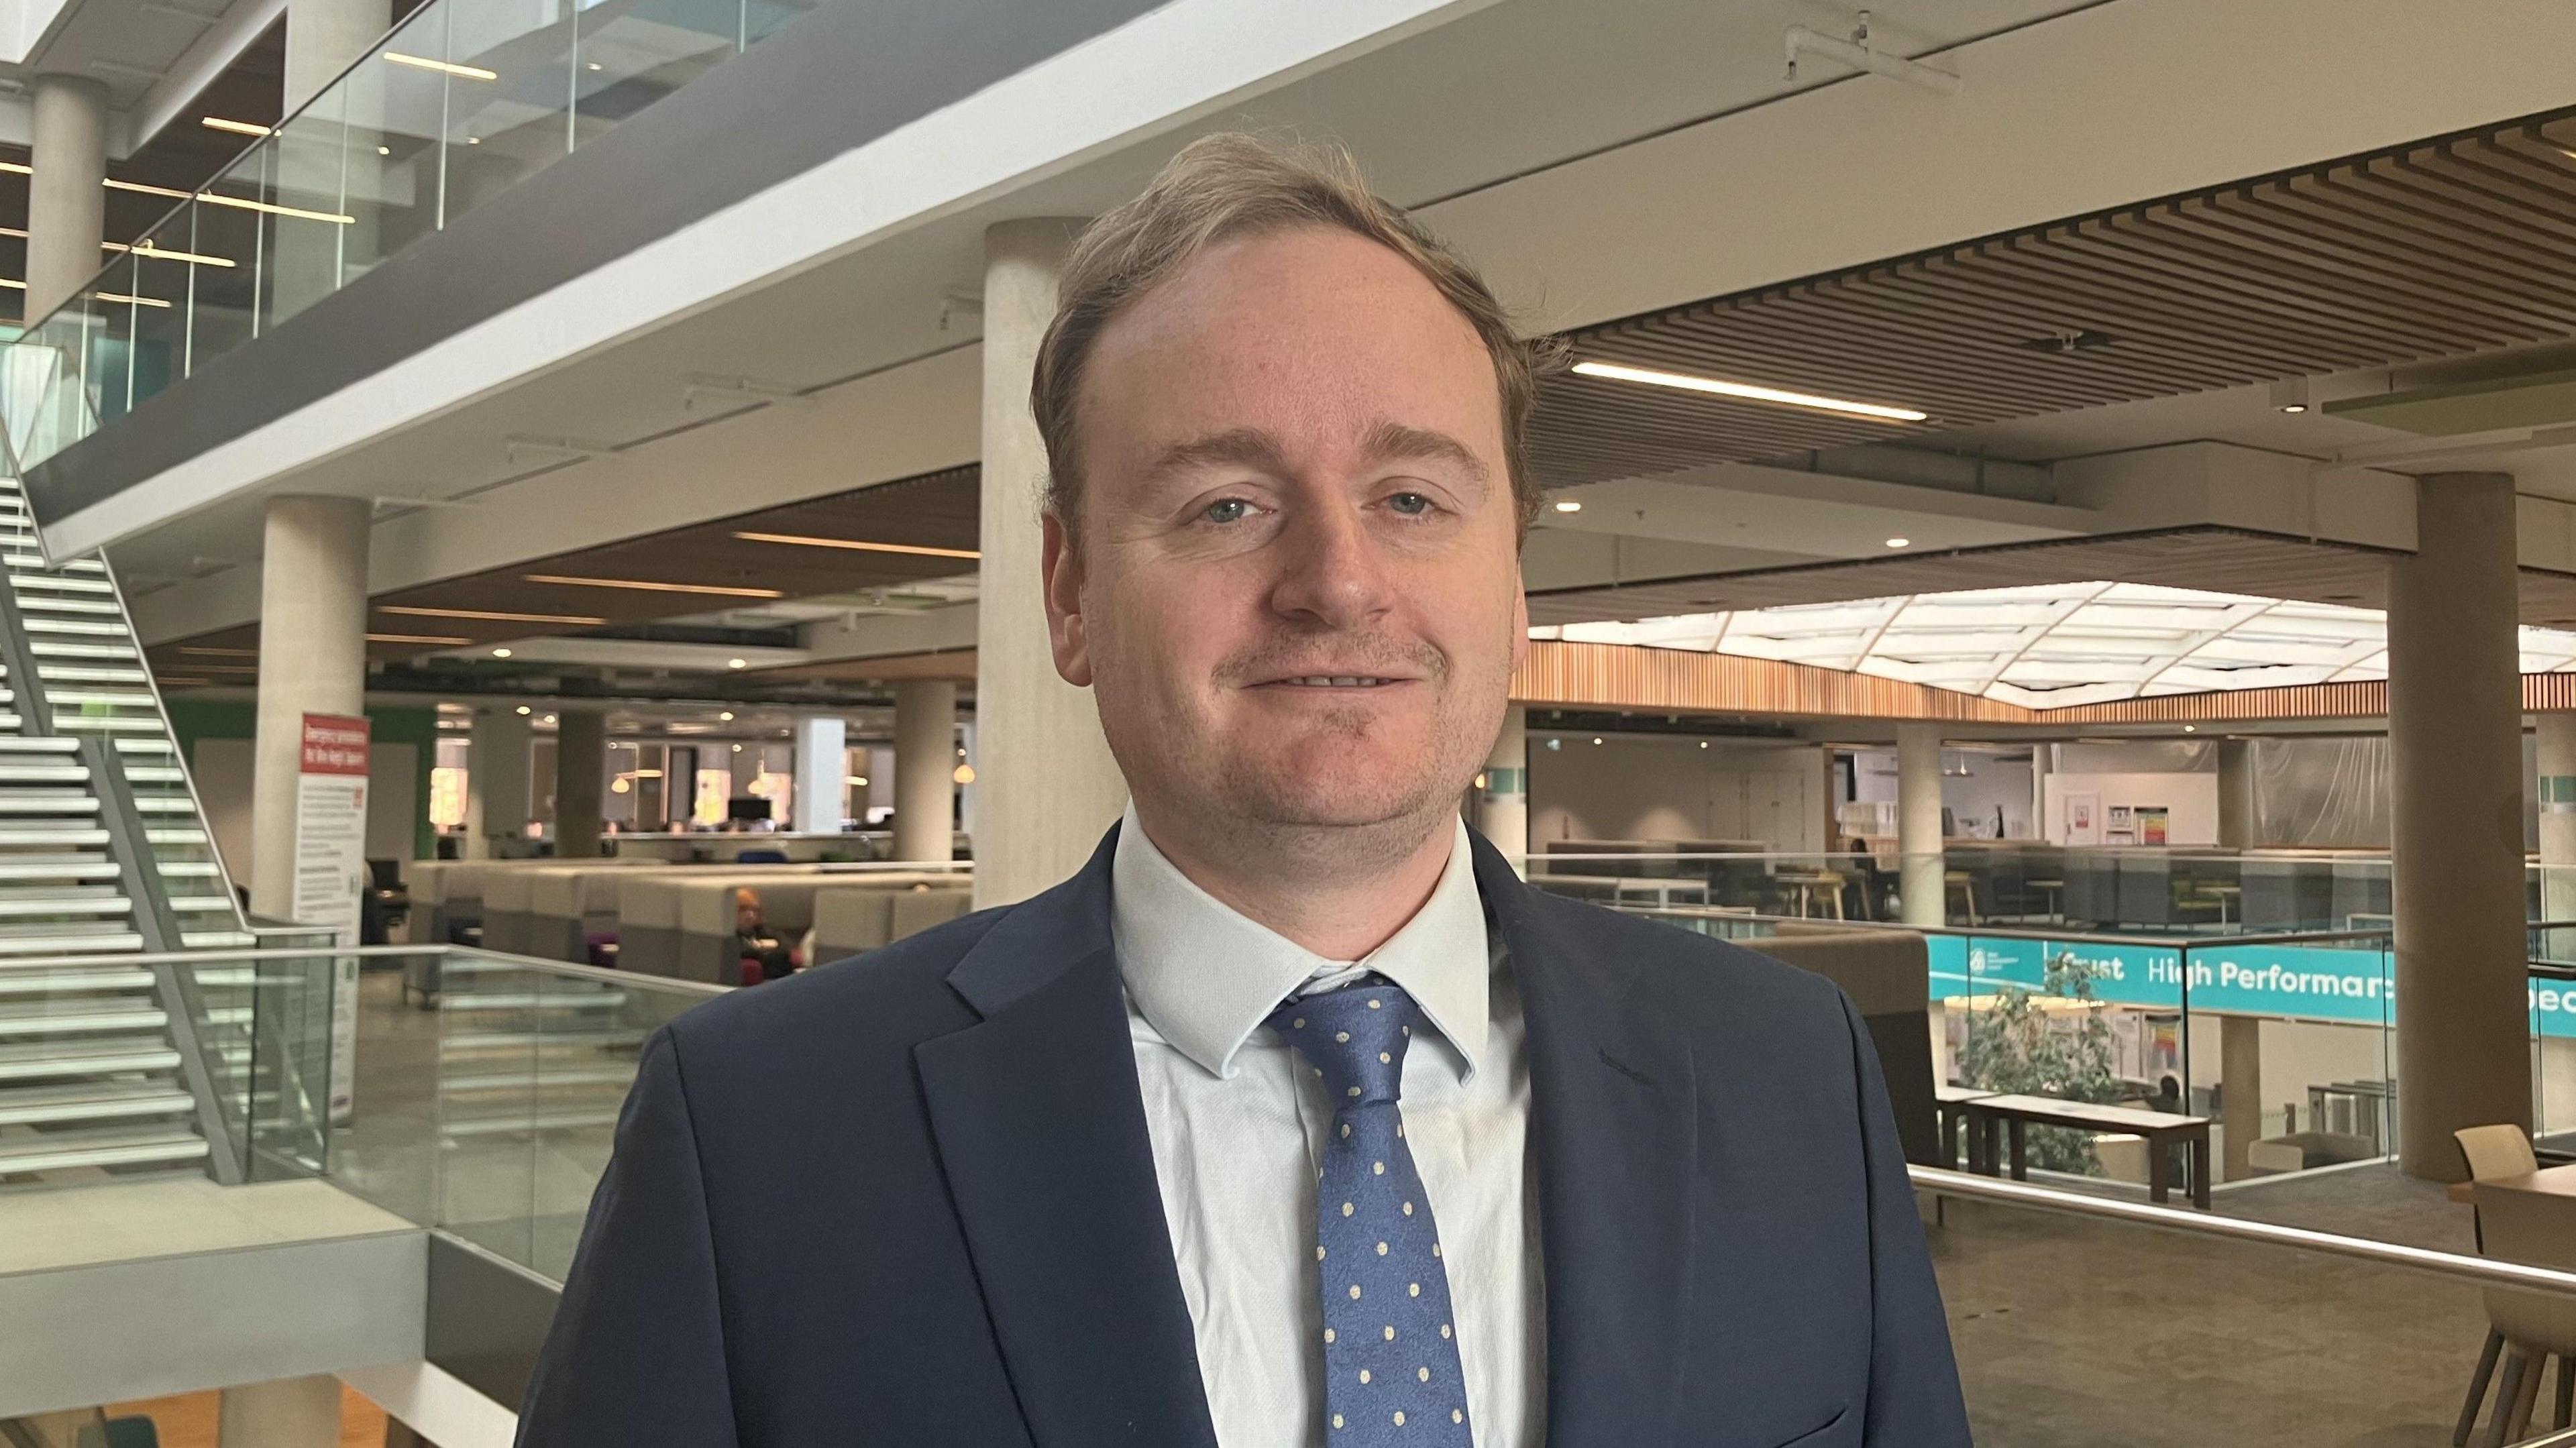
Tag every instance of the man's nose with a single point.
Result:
(1330, 569)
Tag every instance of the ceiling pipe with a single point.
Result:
(1859, 54)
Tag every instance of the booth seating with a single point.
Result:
(707, 945)
(506, 910)
(648, 914)
(1888, 975)
(852, 917)
(570, 903)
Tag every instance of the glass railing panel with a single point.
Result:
(292, 1003)
(632, 53)
(2073, 1330)
(392, 151)
(112, 346)
(163, 286)
(2290, 1051)
(306, 231)
(763, 18)
(509, 97)
(593, 1030)
(488, 1049)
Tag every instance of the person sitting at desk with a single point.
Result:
(755, 942)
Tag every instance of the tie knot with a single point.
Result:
(1356, 1037)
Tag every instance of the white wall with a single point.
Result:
(222, 768)
(1650, 787)
(2181, 775)
(1992, 782)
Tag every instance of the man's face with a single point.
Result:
(1297, 596)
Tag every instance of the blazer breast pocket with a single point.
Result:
(1840, 1431)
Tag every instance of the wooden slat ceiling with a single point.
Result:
(2220, 560)
(935, 510)
(2440, 249)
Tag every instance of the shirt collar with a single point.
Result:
(1205, 976)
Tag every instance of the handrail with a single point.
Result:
(363, 952)
(2065, 937)
(2486, 1271)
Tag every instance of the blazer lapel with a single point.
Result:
(1041, 1133)
(1614, 1109)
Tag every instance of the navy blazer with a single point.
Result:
(910, 1200)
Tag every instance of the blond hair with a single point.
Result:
(1230, 185)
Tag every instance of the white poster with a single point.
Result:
(331, 873)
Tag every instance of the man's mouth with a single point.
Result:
(1338, 681)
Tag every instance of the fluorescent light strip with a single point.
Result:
(443, 67)
(1619, 372)
(238, 128)
(376, 638)
(21, 168)
(123, 297)
(147, 248)
(855, 546)
(643, 586)
(490, 615)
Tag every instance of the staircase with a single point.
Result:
(106, 1066)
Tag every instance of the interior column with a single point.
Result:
(1047, 783)
(67, 195)
(312, 660)
(1502, 805)
(2455, 747)
(1918, 822)
(496, 784)
(2556, 736)
(2237, 827)
(822, 775)
(925, 770)
(581, 773)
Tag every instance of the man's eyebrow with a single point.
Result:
(1396, 442)
(1245, 447)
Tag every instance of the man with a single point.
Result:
(1294, 1118)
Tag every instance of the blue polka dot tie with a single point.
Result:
(1390, 1342)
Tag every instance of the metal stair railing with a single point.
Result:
(174, 985)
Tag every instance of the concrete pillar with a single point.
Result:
(289, 1413)
(2238, 827)
(312, 660)
(1502, 805)
(581, 773)
(2556, 736)
(2240, 1092)
(1918, 822)
(822, 775)
(925, 769)
(67, 195)
(496, 785)
(1047, 782)
(2455, 747)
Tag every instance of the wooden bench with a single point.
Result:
(2162, 1130)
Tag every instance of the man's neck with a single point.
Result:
(1340, 893)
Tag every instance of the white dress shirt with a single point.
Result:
(1238, 1135)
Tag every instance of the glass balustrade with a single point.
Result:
(457, 104)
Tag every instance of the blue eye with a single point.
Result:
(1411, 505)
(1228, 510)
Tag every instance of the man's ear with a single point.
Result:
(1060, 563)
(1520, 617)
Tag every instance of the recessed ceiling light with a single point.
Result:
(1900, 542)
(500, 653)
(443, 67)
(1703, 744)
(726, 716)
(1568, 505)
(492, 614)
(858, 780)
(384, 150)
(2191, 729)
(1619, 372)
(524, 709)
(550, 718)
(1596, 738)
(647, 586)
(737, 663)
(592, 65)
(963, 774)
(474, 140)
(238, 128)
(856, 546)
